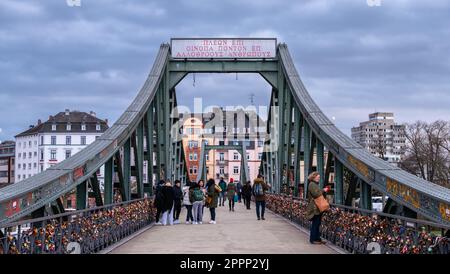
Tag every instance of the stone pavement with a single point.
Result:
(235, 232)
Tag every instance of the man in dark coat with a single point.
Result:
(178, 199)
(158, 201)
(167, 203)
(247, 194)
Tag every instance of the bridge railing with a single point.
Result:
(91, 229)
(354, 229)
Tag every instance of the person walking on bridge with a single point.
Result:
(223, 186)
(312, 211)
(197, 197)
(259, 191)
(231, 192)
(187, 193)
(247, 194)
(168, 203)
(178, 199)
(213, 191)
(159, 201)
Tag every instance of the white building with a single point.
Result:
(49, 143)
(381, 136)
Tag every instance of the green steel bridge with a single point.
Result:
(296, 131)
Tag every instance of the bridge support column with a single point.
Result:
(339, 182)
(297, 148)
(96, 189)
(320, 163)
(109, 184)
(82, 195)
(306, 155)
(126, 171)
(138, 149)
(365, 195)
(149, 140)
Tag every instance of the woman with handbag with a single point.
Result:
(213, 191)
(317, 204)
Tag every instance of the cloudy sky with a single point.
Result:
(353, 58)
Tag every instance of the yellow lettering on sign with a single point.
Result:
(362, 168)
(408, 194)
(444, 209)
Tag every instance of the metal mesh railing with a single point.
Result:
(355, 229)
(91, 230)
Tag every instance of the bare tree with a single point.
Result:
(427, 151)
(380, 144)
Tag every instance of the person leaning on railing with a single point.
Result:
(312, 211)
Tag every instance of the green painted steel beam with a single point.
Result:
(288, 138)
(306, 156)
(328, 167)
(82, 196)
(222, 66)
(126, 170)
(96, 189)
(311, 152)
(365, 195)
(139, 158)
(320, 163)
(339, 182)
(297, 148)
(109, 184)
(118, 161)
(149, 140)
(271, 77)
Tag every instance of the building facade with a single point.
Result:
(222, 127)
(48, 143)
(381, 136)
(7, 159)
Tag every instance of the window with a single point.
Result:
(191, 171)
(69, 203)
(35, 165)
(54, 127)
(221, 171)
(195, 156)
(42, 140)
(260, 143)
(221, 156)
(29, 143)
(20, 155)
(35, 154)
(235, 156)
(68, 153)
(30, 154)
(19, 166)
(53, 154)
(83, 140)
(235, 169)
(97, 127)
(68, 140)
(42, 154)
(18, 176)
(195, 169)
(248, 156)
(259, 156)
(68, 127)
(191, 157)
(24, 155)
(207, 157)
(24, 144)
(83, 127)
(53, 140)
(24, 166)
(20, 144)
(42, 167)
(29, 166)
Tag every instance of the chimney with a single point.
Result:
(92, 113)
(39, 122)
(67, 111)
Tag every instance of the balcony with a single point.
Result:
(221, 162)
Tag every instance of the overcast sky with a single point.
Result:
(352, 57)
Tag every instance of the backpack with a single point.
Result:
(198, 195)
(258, 190)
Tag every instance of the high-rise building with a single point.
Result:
(7, 163)
(49, 143)
(381, 136)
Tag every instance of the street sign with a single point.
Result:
(223, 48)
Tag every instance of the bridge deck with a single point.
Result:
(235, 232)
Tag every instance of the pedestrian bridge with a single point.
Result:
(33, 217)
